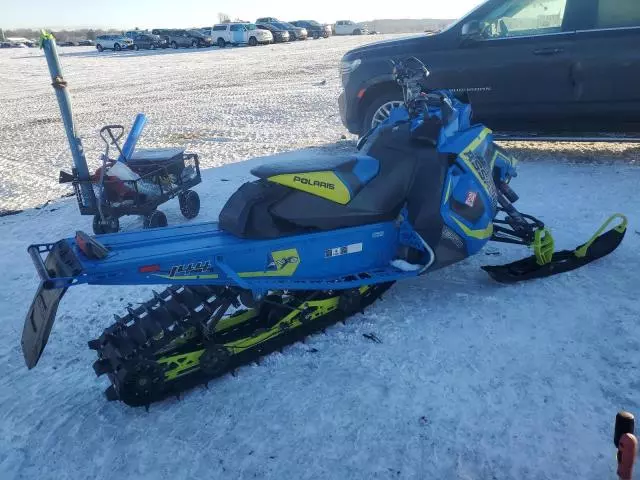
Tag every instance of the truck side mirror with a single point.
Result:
(471, 31)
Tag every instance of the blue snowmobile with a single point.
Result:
(307, 244)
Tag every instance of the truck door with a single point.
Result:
(607, 70)
(516, 66)
(237, 34)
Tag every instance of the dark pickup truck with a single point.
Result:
(525, 65)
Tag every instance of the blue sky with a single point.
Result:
(127, 14)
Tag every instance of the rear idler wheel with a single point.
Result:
(143, 383)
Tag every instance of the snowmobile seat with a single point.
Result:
(338, 179)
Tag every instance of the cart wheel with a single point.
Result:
(189, 204)
(111, 225)
(155, 219)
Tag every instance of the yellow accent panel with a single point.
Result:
(286, 261)
(181, 364)
(322, 184)
(479, 234)
(234, 320)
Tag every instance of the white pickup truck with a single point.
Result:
(238, 34)
(347, 27)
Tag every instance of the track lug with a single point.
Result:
(102, 366)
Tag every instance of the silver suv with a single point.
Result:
(113, 42)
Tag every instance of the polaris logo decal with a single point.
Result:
(314, 183)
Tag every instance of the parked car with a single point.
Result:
(5, 45)
(177, 38)
(148, 41)
(279, 34)
(86, 43)
(267, 20)
(571, 66)
(238, 34)
(314, 29)
(201, 39)
(113, 42)
(295, 33)
(347, 27)
(66, 44)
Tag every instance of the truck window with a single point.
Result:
(618, 13)
(515, 18)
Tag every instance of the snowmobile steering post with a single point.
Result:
(48, 44)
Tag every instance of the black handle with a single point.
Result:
(36, 258)
(548, 51)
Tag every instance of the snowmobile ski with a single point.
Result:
(545, 262)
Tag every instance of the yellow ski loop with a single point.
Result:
(543, 246)
(582, 251)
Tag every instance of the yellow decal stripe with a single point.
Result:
(322, 184)
(479, 234)
(206, 276)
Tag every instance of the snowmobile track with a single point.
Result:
(158, 349)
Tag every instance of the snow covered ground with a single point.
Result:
(473, 380)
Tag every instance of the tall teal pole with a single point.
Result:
(48, 43)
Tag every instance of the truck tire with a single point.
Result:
(117, 47)
(174, 45)
(221, 43)
(357, 32)
(194, 44)
(253, 41)
(378, 109)
(99, 48)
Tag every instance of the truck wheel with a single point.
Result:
(174, 45)
(99, 48)
(357, 32)
(117, 47)
(221, 43)
(155, 219)
(136, 48)
(111, 225)
(189, 204)
(194, 44)
(253, 41)
(379, 109)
